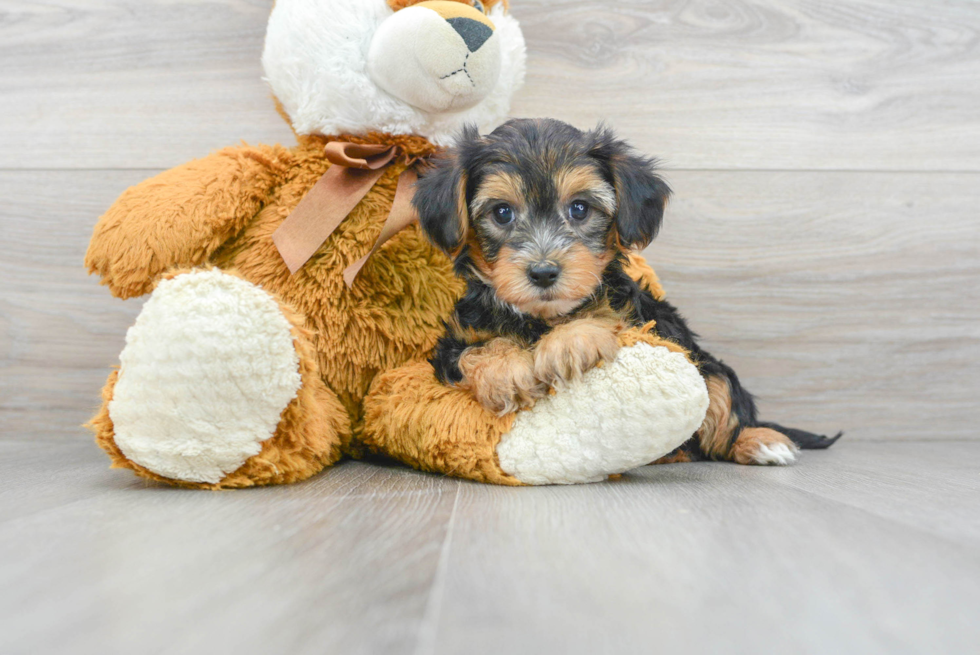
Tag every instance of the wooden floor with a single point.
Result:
(866, 548)
(824, 238)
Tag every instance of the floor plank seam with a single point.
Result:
(926, 532)
(433, 604)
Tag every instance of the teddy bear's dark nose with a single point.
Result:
(474, 33)
(543, 274)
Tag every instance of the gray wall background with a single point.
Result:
(824, 237)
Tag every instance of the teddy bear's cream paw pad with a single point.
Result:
(207, 370)
(625, 414)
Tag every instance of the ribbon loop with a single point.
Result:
(363, 156)
(355, 169)
(402, 215)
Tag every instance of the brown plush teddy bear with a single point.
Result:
(283, 281)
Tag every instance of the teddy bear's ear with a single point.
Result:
(440, 197)
(641, 194)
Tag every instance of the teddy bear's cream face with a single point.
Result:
(354, 66)
(438, 56)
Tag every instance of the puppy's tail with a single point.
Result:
(802, 438)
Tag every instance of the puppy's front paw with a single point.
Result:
(570, 350)
(500, 375)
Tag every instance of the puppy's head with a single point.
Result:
(539, 209)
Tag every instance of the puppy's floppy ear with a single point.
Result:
(440, 196)
(641, 194)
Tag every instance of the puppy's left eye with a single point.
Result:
(478, 6)
(578, 211)
(503, 214)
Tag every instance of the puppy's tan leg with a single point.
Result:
(569, 350)
(679, 456)
(720, 423)
(721, 438)
(763, 446)
(500, 375)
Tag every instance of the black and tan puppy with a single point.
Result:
(538, 217)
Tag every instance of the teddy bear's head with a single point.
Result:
(422, 67)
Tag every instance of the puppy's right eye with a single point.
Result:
(503, 214)
(579, 211)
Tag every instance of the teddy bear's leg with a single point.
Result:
(218, 387)
(617, 417)
(625, 414)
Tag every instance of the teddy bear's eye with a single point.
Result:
(479, 6)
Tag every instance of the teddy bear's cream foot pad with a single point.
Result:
(208, 368)
(618, 417)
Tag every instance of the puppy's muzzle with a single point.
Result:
(543, 274)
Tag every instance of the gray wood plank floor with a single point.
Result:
(824, 238)
(866, 548)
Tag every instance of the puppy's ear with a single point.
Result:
(641, 194)
(440, 197)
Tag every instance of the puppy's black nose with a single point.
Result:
(474, 33)
(543, 274)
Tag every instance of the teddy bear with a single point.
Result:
(292, 300)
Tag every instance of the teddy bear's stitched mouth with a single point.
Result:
(461, 70)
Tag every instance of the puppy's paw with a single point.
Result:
(500, 375)
(763, 447)
(570, 350)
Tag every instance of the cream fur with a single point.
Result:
(625, 414)
(316, 61)
(207, 370)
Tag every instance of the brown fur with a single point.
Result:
(751, 439)
(678, 457)
(461, 209)
(411, 416)
(401, 4)
(356, 332)
(583, 270)
(222, 210)
(638, 269)
(508, 275)
(569, 350)
(720, 424)
(451, 11)
(575, 180)
(500, 374)
(500, 185)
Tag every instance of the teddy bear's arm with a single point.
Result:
(181, 216)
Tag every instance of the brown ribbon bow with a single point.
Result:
(355, 169)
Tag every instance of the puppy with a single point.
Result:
(539, 218)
